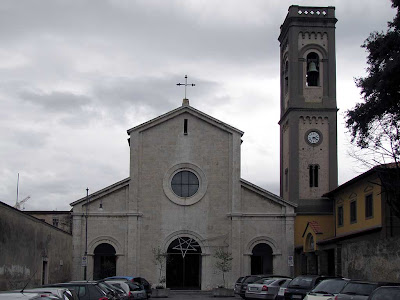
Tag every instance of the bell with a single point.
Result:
(312, 67)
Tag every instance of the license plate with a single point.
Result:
(253, 289)
(297, 297)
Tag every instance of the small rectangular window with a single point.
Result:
(185, 126)
(353, 212)
(369, 206)
(340, 216)
(55, 222)
(286, 179)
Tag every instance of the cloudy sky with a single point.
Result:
(75, 75)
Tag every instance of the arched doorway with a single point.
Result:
(104, 261)
(184, 264)
(261, 259)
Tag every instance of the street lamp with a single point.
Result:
(86, 237)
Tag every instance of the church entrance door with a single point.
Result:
(104, 261)
(261, 260)
(184, 264)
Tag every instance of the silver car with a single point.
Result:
(133, 290)
(266, 288)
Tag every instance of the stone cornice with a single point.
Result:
(108, 214)
(256, 215)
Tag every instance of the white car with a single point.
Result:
(17, 295)
(327, 289)
(63, 293)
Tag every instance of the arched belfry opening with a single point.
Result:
(312, 69)
(104, 261)
(262, 259)
(184, 264)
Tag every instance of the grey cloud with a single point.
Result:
(159, 94)
(57, 102)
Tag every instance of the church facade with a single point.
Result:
(185, 197)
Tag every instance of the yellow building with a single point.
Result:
(365, 242)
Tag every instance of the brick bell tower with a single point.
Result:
(308, 121)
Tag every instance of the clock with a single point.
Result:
(313, 137)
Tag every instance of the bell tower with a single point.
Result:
(308, 121)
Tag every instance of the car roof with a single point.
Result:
(121, 277)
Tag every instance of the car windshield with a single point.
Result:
(286, 283)
(134, 286)
(330, 286)
(251, 279)
(239, 279)
(302, 282)
(265, 281)
(358, 288)
(387, 294)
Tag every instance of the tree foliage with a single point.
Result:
(224, 262)
(160, 259)
(375, 123)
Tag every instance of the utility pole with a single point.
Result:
(86, 236)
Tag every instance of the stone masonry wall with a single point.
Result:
(26, 244)
(372, 260)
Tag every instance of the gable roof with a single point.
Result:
(315, 227)
(185, 108)
(116, 186)
(265, 193)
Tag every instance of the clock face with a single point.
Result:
(313, 137)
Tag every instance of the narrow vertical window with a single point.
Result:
(369, 206)
(340, 216)
(44, 271)
(286, 179)
(353, 212)
(316, 167)
(185, 126)
(313, 175)
(339, 260)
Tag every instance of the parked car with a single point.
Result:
(112, 292)
(282, 290)
(238, 283)
(251, 279)
(301, 285)
(18, 295)
(63, 293)
(327, 289)
(266, 288)
(122, 295)
(139, 280)
(385, 293)
(246, 280)
(86, 290)
(132, 290)
(360, 290)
